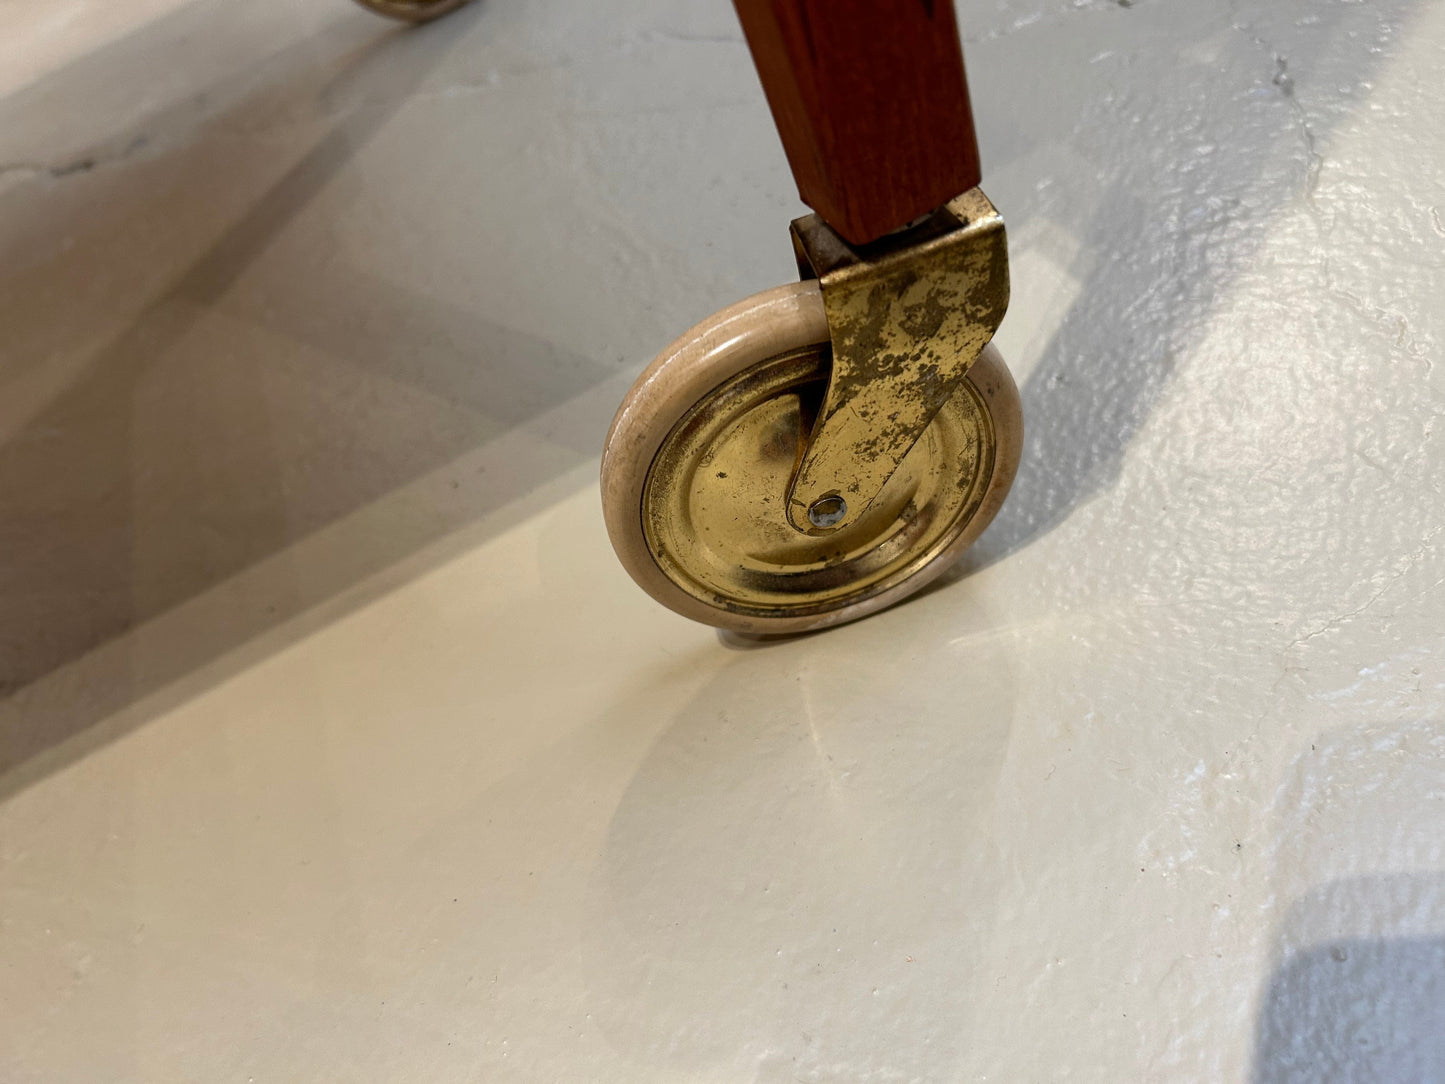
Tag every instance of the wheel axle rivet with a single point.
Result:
(827, 511)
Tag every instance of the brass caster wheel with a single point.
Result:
(412, 11)
(698, 466)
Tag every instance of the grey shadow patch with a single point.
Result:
(1366, 1005)
(268, 447)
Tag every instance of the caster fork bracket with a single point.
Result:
(907, 315)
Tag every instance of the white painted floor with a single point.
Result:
(336, 746)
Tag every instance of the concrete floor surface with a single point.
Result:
(335, 745)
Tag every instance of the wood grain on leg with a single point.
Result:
(870, 99)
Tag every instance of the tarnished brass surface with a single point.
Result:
(907, 316)
(712, 504)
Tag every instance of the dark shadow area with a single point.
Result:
(1368, 1010)
(1354, 1008)
(185, 448)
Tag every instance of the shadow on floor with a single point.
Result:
(1345, 1007)
(250, 392)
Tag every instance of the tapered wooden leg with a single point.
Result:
(872, 105)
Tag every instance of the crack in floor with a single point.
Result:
(1314, 160)
(85, 163)
(1409, 564)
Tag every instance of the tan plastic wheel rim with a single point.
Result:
(700, 455)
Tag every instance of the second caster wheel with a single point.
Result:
(412, 11)
(698, 462)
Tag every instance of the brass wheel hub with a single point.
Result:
(714, 505)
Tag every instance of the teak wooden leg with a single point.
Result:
(871, 102)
